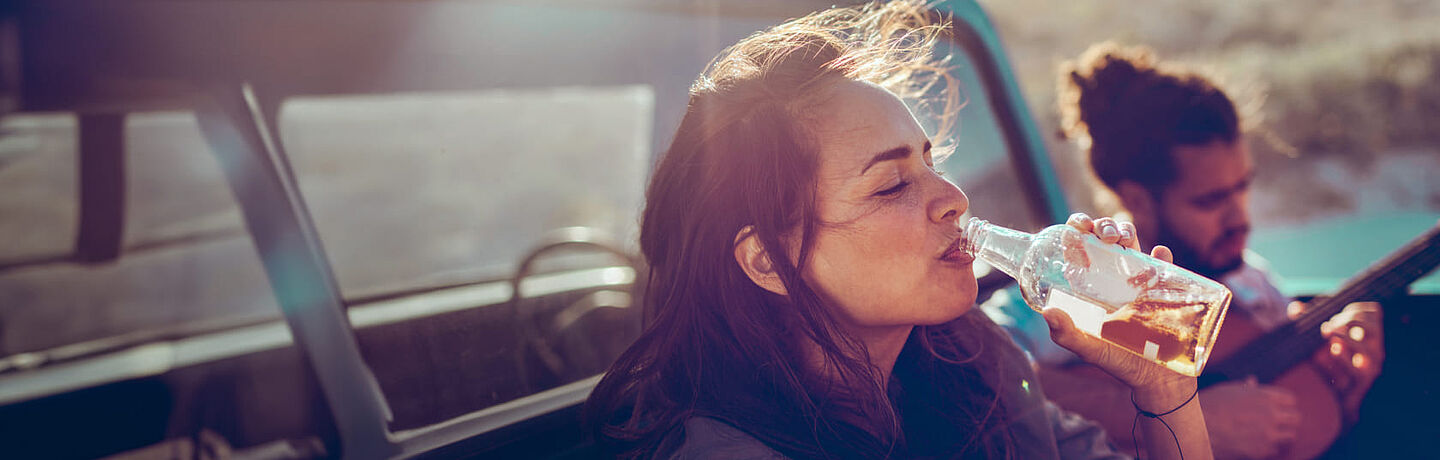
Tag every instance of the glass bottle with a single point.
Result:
(1154, 309)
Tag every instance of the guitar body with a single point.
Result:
(1320, 413)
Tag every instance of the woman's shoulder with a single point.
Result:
(703, 438)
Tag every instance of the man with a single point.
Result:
(1168, 144)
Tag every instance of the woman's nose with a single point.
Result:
(949, 204)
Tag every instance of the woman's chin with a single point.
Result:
(963, 289)
(951, 311)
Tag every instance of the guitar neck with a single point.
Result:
(1274, 353)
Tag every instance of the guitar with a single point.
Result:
(1243, 349)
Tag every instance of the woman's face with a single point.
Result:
(884, 251)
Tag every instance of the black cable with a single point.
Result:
(1135, 440)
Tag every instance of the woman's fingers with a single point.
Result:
(1128, 236)
(1129, 368)
(1081, 222)
(1107, 229)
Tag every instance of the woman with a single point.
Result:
(807, 299)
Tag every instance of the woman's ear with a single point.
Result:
(755, 261)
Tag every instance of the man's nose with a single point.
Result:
(1237, 211)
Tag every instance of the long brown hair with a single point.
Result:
(716, 344)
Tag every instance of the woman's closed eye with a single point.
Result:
(900, 187)
(895, 189)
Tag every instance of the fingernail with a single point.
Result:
(1109, 232)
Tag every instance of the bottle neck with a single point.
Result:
(998, 246)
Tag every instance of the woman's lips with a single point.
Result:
(955, 254)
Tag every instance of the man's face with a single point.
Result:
(1204, 215)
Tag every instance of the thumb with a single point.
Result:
(1163, 253)
(1064, 333)
(1062, 328)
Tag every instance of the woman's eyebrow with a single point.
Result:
(892, 154)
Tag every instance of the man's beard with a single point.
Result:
(1190, 257)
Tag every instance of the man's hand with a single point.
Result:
(1248, 420)
(1356, 349)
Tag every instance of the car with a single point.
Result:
(390, 229)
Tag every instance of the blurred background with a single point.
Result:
(1343, 94)
(468, 175)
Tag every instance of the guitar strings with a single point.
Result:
(1371, 283)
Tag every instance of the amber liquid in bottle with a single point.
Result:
(1154, 309)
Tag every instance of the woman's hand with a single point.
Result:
(1155, 389)
(1150, 380)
